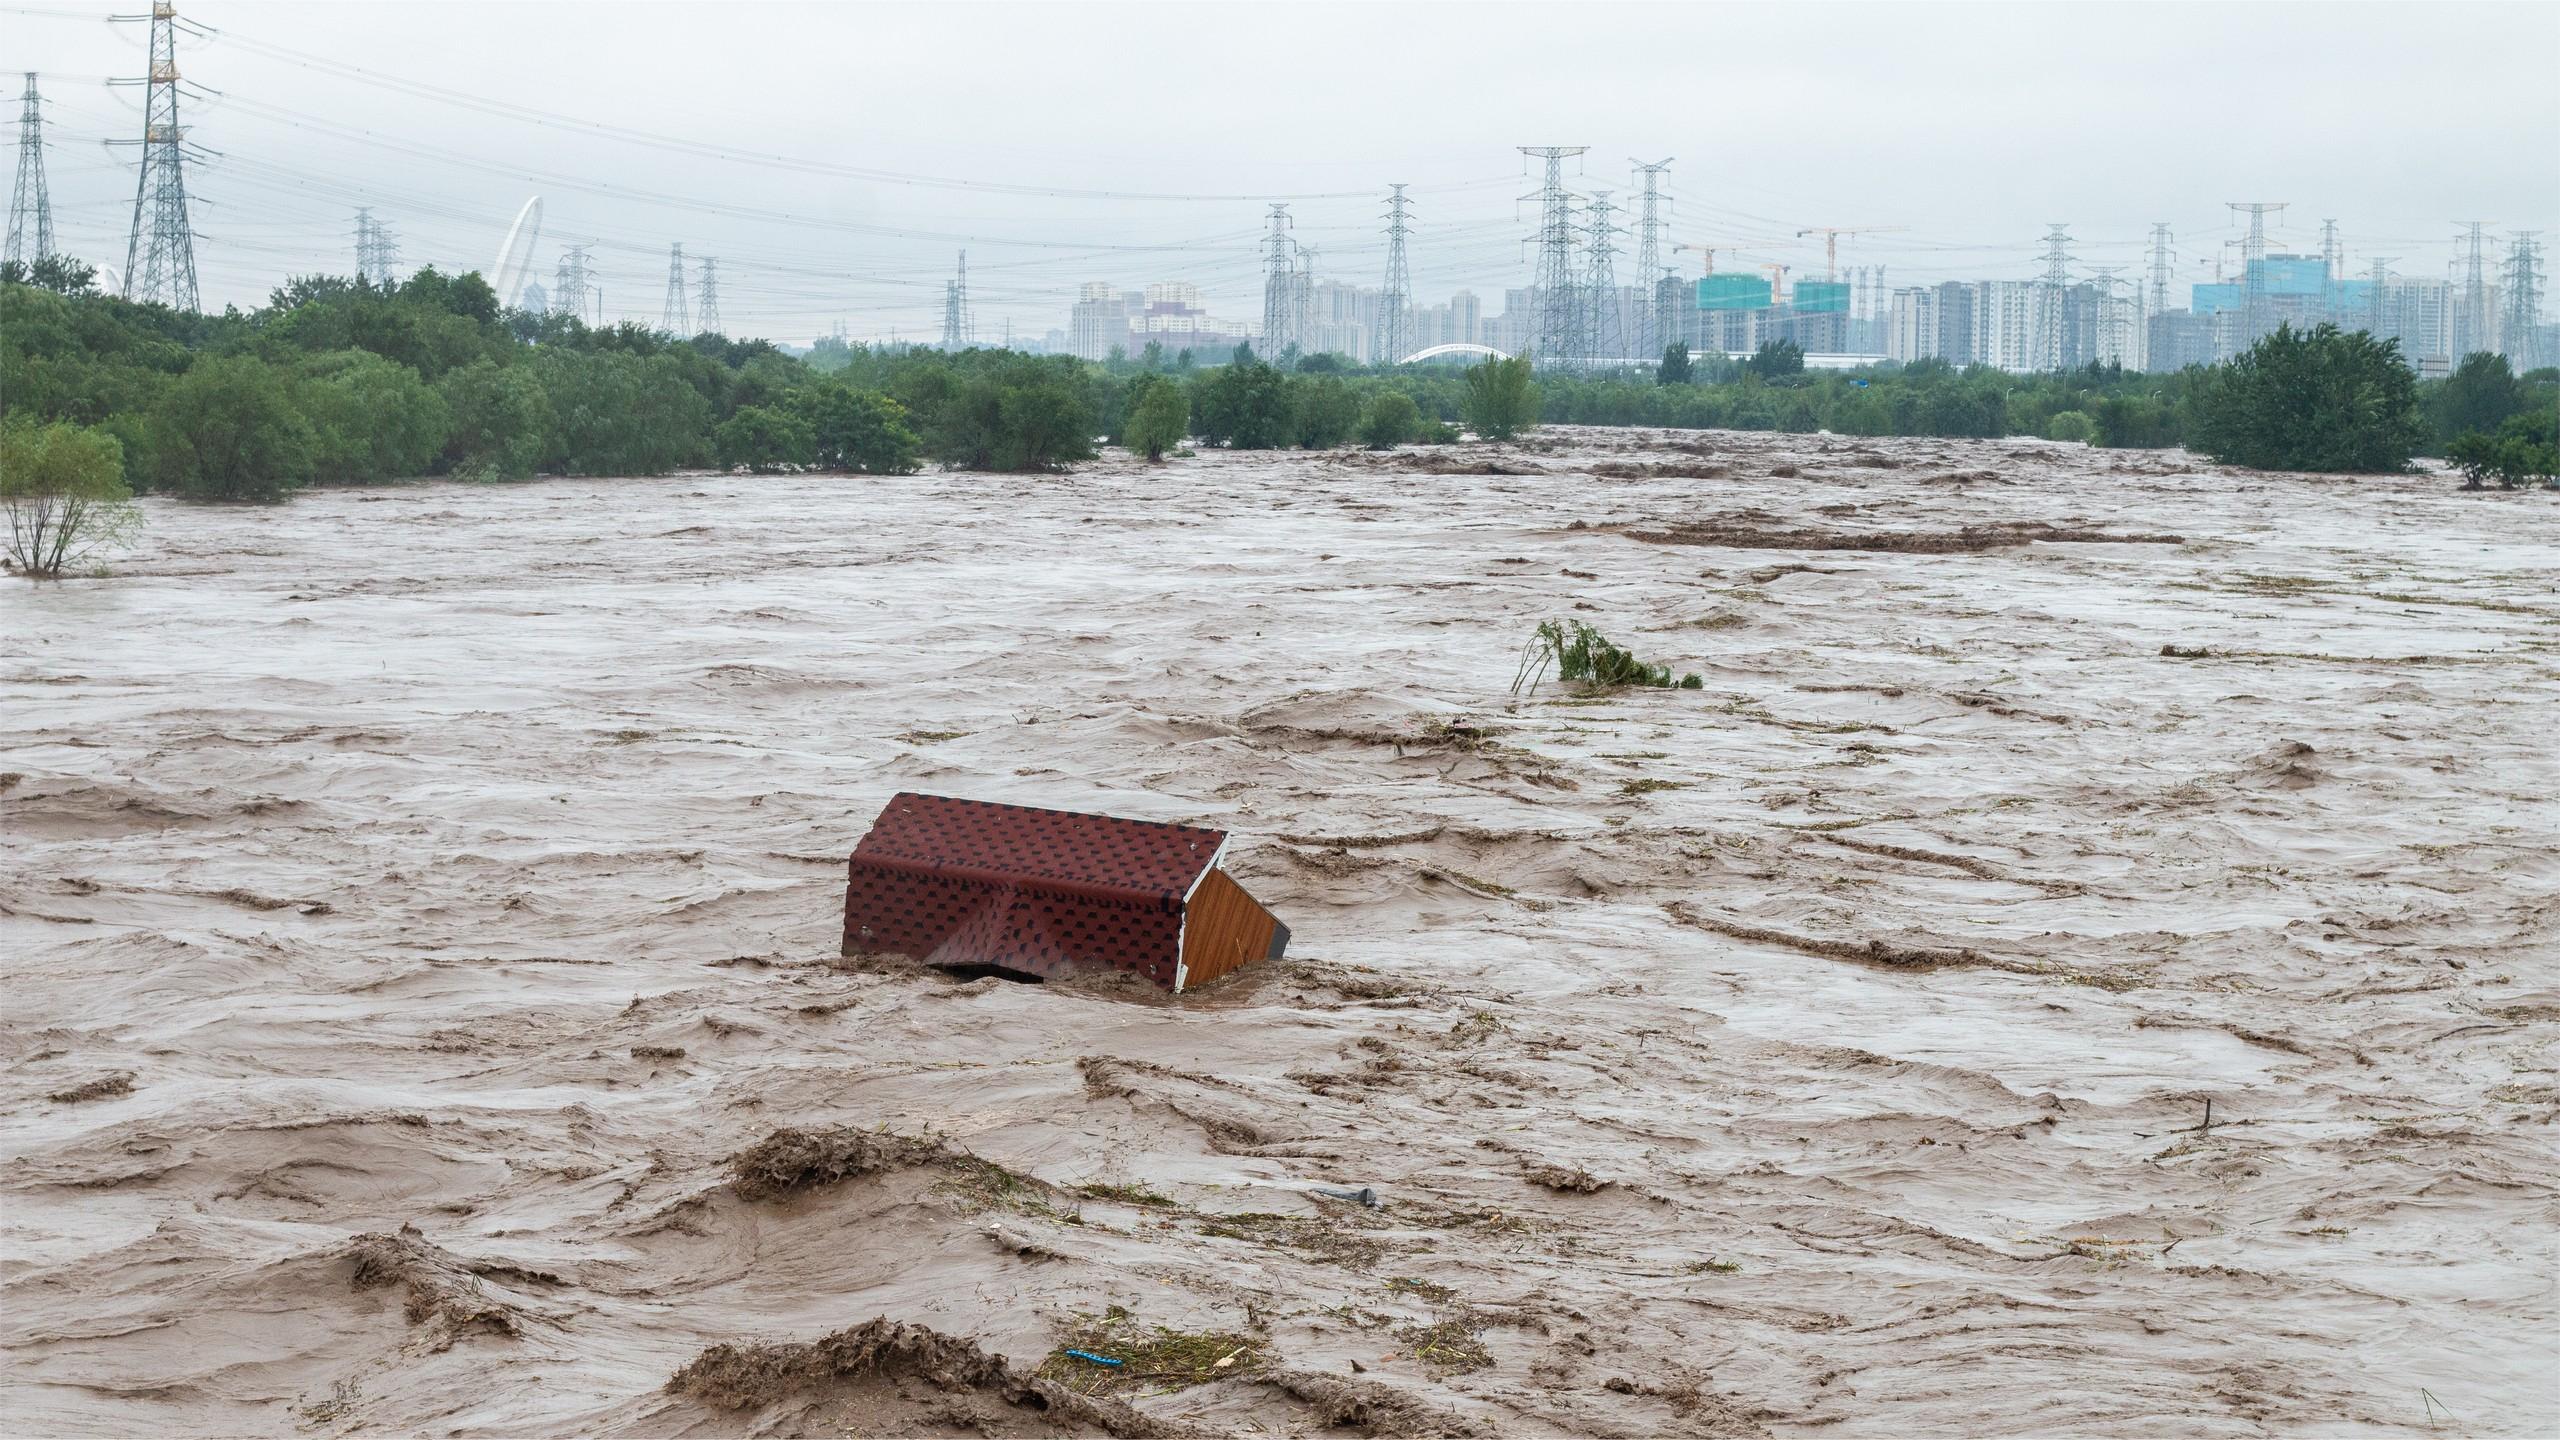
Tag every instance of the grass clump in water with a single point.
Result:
(1585, 656)
(1132, 1194)
(1149, 1355)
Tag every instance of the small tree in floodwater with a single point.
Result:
(1160, 419)
(2318, 399)
(1499, 401)
(63, 488)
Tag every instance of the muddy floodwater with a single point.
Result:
(2086, 962)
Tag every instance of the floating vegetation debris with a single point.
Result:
(1585, 656)
(1112, 1351)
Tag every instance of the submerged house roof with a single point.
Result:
(1047, 892)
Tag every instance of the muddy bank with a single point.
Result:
(2090, 987)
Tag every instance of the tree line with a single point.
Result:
(340, 381)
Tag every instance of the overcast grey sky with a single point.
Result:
(1971, 126)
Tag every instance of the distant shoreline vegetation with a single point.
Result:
(337, 381)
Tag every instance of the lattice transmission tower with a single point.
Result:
(1602, 330)
(2051, 349)
(706, 304)
(1559, 342)
(2160, 256)
(1279, 286)
(1651, 331)
(1395, 301)
(377, 250)
(2473, 333)
(2523, 281)
(2253, 269)
(968, 307)
(570, 284)
(2381, 279)
(160, 257)
(675, 316)
(30, 203)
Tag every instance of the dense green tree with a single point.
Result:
(1327, 409)
(1017, 413)
(229, 429)
(1159, 420)
(62, 487)
(1776, 359)
(2136, 422)
(466, 295)
(60, 274)
(2478, 396)
(2069, 425)
(2320, 399)
(1675, 368)
(2523, 450)
(1392, 419)
(500, 418)
(857, 430)
(371, 420)
(620, 414)
(1244, 405)
(1499, 400)
(762, 440)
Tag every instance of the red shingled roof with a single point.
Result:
(969, 882)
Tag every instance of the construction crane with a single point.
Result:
(1777, 283)
(1831, 242)
(1707, 250)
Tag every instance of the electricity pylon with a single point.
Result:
(1395, 303)
(2057, 278)
(569, 284)
(675, 316)
(1279, 286)
(1559, 338)
(1650, 336)
(2253, 271)
(160, 256)
(706, 310)
(30, 203)
(1606, 337)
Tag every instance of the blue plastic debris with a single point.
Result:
(1097, 1359)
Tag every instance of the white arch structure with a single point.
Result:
(1460, 348)
(514, 264)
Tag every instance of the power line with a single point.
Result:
(160, 255)
(30, 203)
(557, 119)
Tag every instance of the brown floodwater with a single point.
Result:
(414, 898)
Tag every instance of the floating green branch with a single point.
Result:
(1584, 655)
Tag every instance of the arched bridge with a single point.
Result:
(1461, 348)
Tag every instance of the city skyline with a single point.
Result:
(812, 231)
